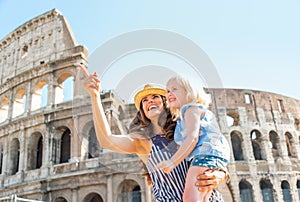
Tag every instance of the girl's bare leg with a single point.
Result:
(191, 192)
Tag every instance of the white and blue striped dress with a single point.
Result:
(166, 187)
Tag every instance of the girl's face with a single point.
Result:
(176, 95)
(152, 105)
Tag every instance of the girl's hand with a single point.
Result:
(210, 180)
(166, 166)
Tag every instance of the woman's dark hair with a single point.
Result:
(141, 126)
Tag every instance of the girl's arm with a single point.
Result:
(191, 130)
(117, 143)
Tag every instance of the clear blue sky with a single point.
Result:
(253, 44)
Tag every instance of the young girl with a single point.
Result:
(198, 134)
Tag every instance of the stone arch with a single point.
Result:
(39, 95)
(129, 190)
(286, 191)
(298, 187)
(62, 144)
(297, 123)
(246, 191)
(65, 146)
(290, 145)
(35, 151)
(233, 118)
(60, 199)
(267, 190)
(19, 103)
(93, 197)
(1, 158)
(121, 113)
(236, 143)
(274, 143)
(84, 138)
(14, 156)
(94, 148)
(4, 103)
(256, 141)
(64, 89)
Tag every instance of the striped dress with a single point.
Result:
(169, 187)
(166, 187)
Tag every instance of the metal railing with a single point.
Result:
(15, 198)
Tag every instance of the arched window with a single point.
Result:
(39, 153)
(65, 146)
(1, 159)
(14, 156)
(285, 186)
(130, 191)
(39, 95)
(3, 109)
(267, 190)
(64, 91)
(256, 141)
(19, 104)
(68, 91)
(233, 118)
(236, 142)
(94, 147)
(35, 151)
(290, 145)
(275, 143)
(298, 187)
(136, 194)
(246, 193)
(93, 197)
(60, 199)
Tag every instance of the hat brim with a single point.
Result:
(148, 91)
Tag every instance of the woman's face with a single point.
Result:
(152, 105)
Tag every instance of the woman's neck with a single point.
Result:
(155, 127)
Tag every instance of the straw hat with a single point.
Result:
(148, 89)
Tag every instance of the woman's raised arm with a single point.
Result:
(117, 143)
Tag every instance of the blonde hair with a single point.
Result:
(195, 94)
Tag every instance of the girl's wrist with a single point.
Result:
(170, 164)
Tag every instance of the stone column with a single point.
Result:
(74, 196)
(109, 189)
(10, 105)
(22, 149)
(257, 194)
(147, 195)
(5, 160)
(28, 98)
(51, 91)
(75, 140)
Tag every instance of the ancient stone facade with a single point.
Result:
(263, 129)
(48, 147)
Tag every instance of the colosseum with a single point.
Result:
(48, 147)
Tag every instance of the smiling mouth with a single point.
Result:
(171, 100)
(152, 107)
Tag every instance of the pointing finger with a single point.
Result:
(84, 71)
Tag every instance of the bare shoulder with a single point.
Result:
(193, 111)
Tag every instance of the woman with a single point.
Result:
(149, 139)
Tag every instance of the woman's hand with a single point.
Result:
(210, 180)
(91, 82)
